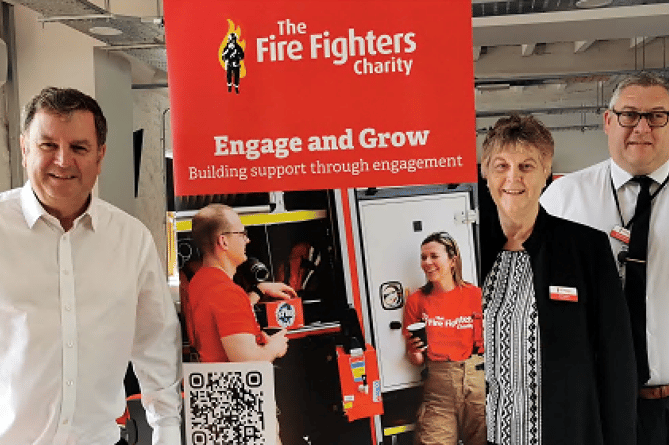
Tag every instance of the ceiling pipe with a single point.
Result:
(149, 86)
(582, 128)
(551, 110)
(60, 18)
(127, 47)
(525, 79)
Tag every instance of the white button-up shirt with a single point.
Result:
(586, 197)
(75, 307)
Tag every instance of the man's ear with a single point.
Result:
(222, 242)
(24, 149)
(102, 150)
(101, 154)
(608, 121)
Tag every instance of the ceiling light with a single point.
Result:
(105, 31)
(493, 86)
(593, 3)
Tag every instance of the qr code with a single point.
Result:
(230, 403)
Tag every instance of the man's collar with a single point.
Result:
(660, 175)
(620, 177)
(33, 209)
(91, 213)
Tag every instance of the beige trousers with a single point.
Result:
(453, 405)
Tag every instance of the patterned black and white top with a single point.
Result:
(512, 354)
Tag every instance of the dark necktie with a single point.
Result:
(635, 275)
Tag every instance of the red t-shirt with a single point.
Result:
(219, 308)
(449, 320)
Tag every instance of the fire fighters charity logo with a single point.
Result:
(231, 56)
(285, 315)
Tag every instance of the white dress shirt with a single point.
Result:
(586, 196)
(75, 307)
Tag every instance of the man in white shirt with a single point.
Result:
(82, 292)
(604, 196)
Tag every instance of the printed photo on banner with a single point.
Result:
(353, 257)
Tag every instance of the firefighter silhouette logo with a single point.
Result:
(285, 315)
(231, 56)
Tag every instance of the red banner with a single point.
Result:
(319, 94)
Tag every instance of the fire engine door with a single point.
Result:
(392, 231)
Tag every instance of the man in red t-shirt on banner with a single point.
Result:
(224, 325)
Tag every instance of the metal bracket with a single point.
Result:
(468, 217)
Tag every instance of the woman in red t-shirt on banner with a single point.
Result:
(453, 405)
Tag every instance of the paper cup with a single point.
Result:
(418, 330)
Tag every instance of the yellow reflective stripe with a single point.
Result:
(393, 430)
(260, 219)
(275, 218)
(184, 226)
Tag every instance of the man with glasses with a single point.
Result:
(224, 324)
(626, 196)
(225, 327)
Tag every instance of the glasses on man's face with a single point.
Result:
(630, 119)
(244, 233)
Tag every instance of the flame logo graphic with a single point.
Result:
(238, 32)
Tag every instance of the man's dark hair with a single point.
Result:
(65, 101)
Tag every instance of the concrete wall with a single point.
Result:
(5, 172)
(113, 92)
(51, 55)
(149, 108)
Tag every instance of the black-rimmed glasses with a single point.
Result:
(244, 233)
(632, 118)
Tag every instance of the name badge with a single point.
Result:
(621, 234)
(561, 293)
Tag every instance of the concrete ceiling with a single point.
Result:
(552, 55)
(642, 20)
(142, 33)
